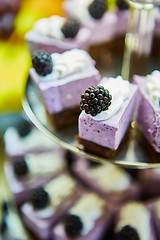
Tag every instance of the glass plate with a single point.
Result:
(133, 155)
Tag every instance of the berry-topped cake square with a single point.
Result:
(57, 34)
(87, 219)
(111, 182)
(107, 111)
(61, 78)
(134, 222)
(148, 112)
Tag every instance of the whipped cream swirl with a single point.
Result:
(120, 91)
(153, 86)
(89, 208)
(50, 27)
(137, 216)
(67, 63)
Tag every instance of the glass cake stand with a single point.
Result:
(133, 155)
(138, 43)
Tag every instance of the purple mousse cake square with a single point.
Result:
(25, 173)
(134, 221)
(57, 35)
(148, 110)
(106, 118)
(109, 181)
(154, 206)
(48, 204)
(26, 138)
(98, 17)
(61, 80)
(87, 219)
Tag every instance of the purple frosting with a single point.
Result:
(109, 133)
(37, 41)
(65, 93)
(148, 115)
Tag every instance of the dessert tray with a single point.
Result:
(133, 155)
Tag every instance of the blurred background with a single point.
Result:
(16, 18)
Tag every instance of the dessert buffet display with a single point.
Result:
(74, 191)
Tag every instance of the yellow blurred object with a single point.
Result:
(14, 54)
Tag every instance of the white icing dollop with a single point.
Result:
(137, 216)
(89, 208)
(59, 189)
(50, 27)
(80, 10)
(153, 86)
(120, 91)
(44, 163)
(110, 178)
(67, 63)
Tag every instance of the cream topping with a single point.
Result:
(89, 208)
(50, 27)
(44, 163)
(153, 86)
(120, 91)
(137, 216)
(110, 178)
(81, 12)
(59, 189)
(67, 63)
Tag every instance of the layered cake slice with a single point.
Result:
(111, 182)
(134, 221)
(148, 112)
(60, 79)
(107, 112)
(27, 172)
(87, 219)
(25, 138)
(57, 34)
(48, 204)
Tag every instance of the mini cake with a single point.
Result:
(150, 180)
(148, 112)
(60, 79)
(154, 206)
(48, 204)
(94, 15)
(134, 221)
(27, 172)
(87, 219)
(25, 138)
(110, 181)
(57, 35)
(107, 112)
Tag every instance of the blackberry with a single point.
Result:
(122, 5)
(73, 225)
(20, 167)
(42, 62)
(39, 198)
(70, 28)
(95, 100)
(127, 233)
(97, 8)
(24, 128)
